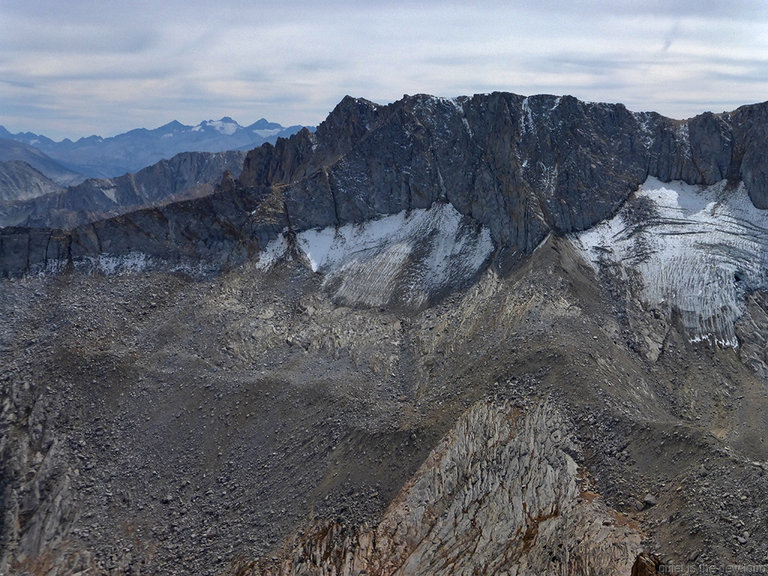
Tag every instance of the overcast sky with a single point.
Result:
(71, 68)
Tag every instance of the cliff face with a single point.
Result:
(521, 166)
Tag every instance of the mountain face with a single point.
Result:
(15, 151)
(98, 157)
(186, 175)
(522, 167)
(19, 181)
(490, 334)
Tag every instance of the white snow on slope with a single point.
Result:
(108, 264)
(222, 126)
(110, 193)
(266, 133)
(403, 258)
(697, 253)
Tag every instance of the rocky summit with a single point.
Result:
(481, 335)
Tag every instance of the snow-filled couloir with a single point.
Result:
(404, 258)
(693, 250)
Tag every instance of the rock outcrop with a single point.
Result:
(38, 515)
(500, 494)
(523, 167)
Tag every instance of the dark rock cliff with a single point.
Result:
(522, 166)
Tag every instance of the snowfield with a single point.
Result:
(696, 250)
(405, 257)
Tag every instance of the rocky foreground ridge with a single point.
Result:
(521, 166)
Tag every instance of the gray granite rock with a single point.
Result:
(524, 167)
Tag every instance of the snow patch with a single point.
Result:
(696, 251)
(275, 251)
(683, 136)
(644, 123)
(405, 258)
(110, 193)
(460, 109)
(108, 264)
(222, 126)
(266, 133)
(526, 121)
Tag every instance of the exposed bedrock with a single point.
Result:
(500, 494)
(521, 166)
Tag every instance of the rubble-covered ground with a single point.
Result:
(251, 421)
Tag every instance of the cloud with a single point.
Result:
(82, 66)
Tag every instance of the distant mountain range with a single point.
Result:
(98, 157)
(15, 152)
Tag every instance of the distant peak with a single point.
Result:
(172, 125)
(225, 126)
(261, 123)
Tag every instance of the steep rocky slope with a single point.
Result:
(186, 175)
(520, 166)
(19, 181)
(157, 423)
(500, 494)
(399, 346)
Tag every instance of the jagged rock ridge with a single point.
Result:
(520, 166)
(500, 494)
(186, 175)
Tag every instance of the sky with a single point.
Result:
(72, 68)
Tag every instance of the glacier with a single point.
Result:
(405, 258)
(694, 250)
